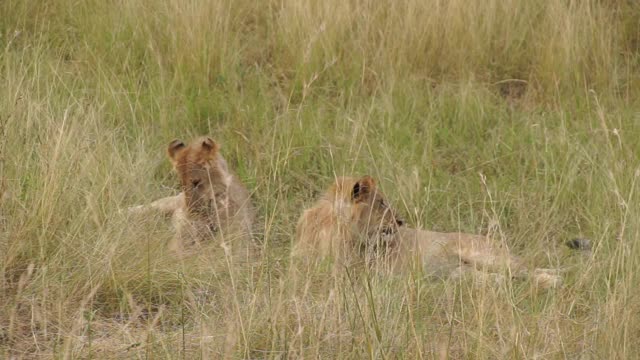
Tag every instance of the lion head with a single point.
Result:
(203, 172)
(360, 203)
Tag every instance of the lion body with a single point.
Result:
(213, 201)
(335, 223)
(321, 228)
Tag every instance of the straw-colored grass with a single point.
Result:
(518, 117)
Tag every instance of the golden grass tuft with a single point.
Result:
(514, 117)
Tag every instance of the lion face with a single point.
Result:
(372, 215)
(202, 171)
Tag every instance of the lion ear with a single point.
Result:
(210, 146)
(174, 148)
(363, 188)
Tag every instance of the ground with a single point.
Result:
(518, 119)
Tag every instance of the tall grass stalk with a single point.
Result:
(539, 97)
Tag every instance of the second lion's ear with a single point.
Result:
(174, 148)
(363, 188)
(209, 145)
(208, 149)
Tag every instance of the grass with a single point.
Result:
(519, 118)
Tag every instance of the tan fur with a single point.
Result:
(334, 226)
(213, 202)
(342, 221)
(459, 253)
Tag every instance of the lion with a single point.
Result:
(354, 219)
(352, 214)
(213, 201)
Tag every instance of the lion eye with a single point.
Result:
(196, 182)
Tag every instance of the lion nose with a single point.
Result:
(400, 222)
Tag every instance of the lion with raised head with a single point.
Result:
(352, 215)
(213, 201)
(354, 219)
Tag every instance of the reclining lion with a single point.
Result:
(353, 218)
(213, 202)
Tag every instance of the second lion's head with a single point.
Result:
(360, 203)
(202, 170)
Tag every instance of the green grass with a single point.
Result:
(508, 116)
